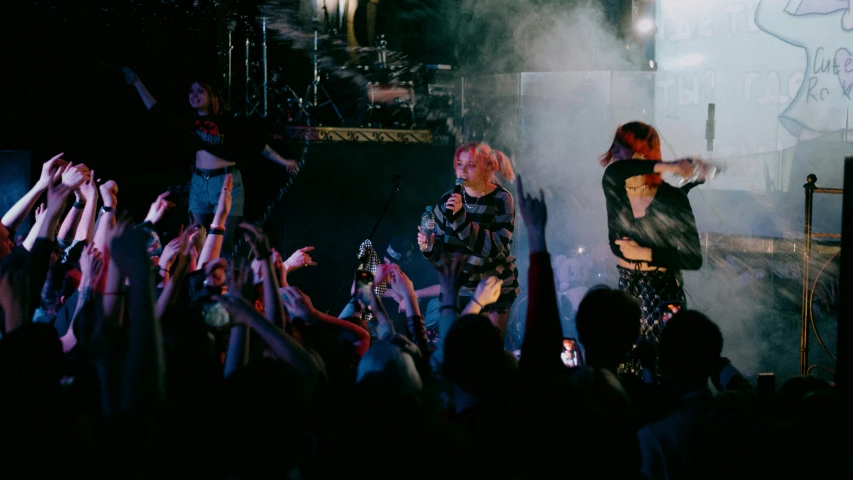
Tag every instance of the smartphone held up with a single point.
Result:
(571, 354)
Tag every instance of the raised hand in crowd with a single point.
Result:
(487, 292)
(214, 239)
(298, 259)
(75, 175)
(535, 215)
(16, 215)
(158, 208)
(91, 266)
(48, 171)
(109, 192)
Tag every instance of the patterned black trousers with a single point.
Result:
(650, 288)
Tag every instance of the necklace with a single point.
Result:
(637, 189)
(465, 199)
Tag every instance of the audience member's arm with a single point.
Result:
(488, 291)
(282, 345)
(239, 283)
(86, 227)
(213, 244)
(298, 259)
(172, 289)
(299, 306)
(41, 210)
(273, 306)
(451, 268)
(143, 373)
(16, 215)
(415, 327)
(107, 220)
(543, 333)
(91, 264)
(72, 219)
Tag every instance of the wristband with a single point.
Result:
(106, 209)
(216, 230)
(79, 205)
(478, 303)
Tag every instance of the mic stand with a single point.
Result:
(396, 181)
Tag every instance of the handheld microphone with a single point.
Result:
(460, 182)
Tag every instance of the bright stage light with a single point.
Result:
(645, 27)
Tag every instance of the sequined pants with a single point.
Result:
(650, 288)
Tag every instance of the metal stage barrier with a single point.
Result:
(809, 286)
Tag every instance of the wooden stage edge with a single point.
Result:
(357, 135)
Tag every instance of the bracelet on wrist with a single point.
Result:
(217, 230)
(106, 209)
(79, 205)
(478, 303)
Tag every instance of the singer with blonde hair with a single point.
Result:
(477, 218)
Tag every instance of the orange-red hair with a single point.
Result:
(641, 139)
(485, 156)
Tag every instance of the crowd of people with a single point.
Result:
(126, 357)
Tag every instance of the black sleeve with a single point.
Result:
(682, 251)
(617, 172)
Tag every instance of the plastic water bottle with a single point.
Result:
(428, 227)
(702, 171)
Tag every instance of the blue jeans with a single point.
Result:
(204, 194)
(204, 198)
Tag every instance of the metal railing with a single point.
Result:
(809, 287)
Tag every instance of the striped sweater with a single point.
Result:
(484, 233)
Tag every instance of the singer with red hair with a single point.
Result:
(650, 223)
(478, 218)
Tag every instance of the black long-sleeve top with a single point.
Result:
(226, 136)
(668, 227)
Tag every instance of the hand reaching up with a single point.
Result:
(224, 207)
(58, 191)
(91, 265)
(257, 240)
(401, 285)
(300, 258)
(41, 209)
(239, 279)
(488, 290)
(451, 268)
(298, 304)
(109, 192)
(48, 170)
(75, 176)
(532, 209)
(158, 208)
(89, 189)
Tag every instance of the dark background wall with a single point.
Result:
(339, 196)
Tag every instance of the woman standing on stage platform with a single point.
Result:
(478, 221)
(219, 141)
(650, 223)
